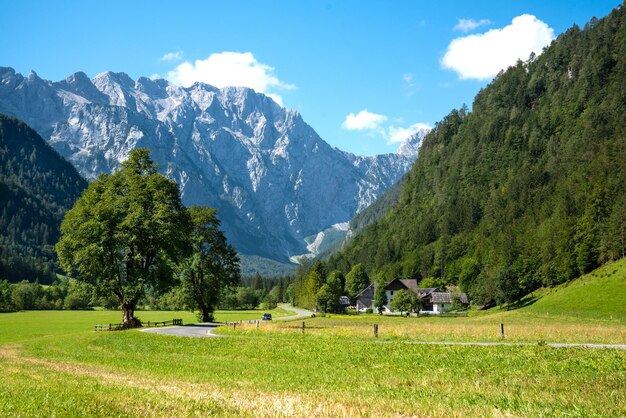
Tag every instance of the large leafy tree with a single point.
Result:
(212, 265)
(124, 232)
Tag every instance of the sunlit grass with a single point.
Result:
(54, 364)
(93, 373)
(19, 326)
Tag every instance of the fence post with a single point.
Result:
(257, 324)
(109, 327)
(501, 330)
(376, 330)
(302, 327)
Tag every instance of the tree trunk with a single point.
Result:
(128, 315)
(207, 315)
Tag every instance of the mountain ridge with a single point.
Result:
(273, 180)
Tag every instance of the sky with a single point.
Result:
(363, 74)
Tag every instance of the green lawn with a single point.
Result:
(136, 374)
(20, 326)
(53, 364)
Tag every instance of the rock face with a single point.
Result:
(272, 178)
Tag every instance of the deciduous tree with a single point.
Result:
(212, 265)
(123, 230)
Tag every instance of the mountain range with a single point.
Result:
(272, 178)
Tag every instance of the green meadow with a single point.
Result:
(54, 364)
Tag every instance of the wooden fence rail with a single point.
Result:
(116, 327)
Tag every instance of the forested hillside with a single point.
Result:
(527, 189)
(37, 187)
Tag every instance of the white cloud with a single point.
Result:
(466, 25)
(363, 121)
(377, 125)
(482, 56)
(172, 56)
(397, 134)
(230, 69)
(155, 76)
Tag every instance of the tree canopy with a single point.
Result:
(212, 265)
(125, 231)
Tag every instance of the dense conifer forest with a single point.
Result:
(37, 187)
(527, 189)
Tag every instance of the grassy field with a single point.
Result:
(52, 363)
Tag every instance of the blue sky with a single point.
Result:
(363, 74)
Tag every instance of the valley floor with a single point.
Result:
(54, 364)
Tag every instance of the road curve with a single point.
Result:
(203, 329)
(299, 313)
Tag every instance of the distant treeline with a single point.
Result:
(62, 294)
(252, 292)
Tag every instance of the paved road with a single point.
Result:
(196, 330)
(507, 344)
(300, 313)
(205, 329)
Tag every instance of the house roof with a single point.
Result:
(446, 297)
(364, 290)
(411, 284)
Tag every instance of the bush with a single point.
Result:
(369, 310)
(75, 301)
(269, 302)
(24, 295)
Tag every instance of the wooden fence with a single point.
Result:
(117, 327)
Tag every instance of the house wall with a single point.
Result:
(390, 295)
(441, 307)
(365, 300)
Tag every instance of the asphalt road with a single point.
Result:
(299, 313)
(205, 329)
(196, 330)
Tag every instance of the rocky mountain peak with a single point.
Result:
(273, 180)
(410, 147)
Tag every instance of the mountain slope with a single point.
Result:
(528, 188)
(37, 187)
(272, 178)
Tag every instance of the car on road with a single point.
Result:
(267, 317)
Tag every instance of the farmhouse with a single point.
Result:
(432, 300)
(442, 301)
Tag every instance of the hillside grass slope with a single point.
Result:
(600, 294)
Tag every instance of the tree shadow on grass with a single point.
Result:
(523, 302)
